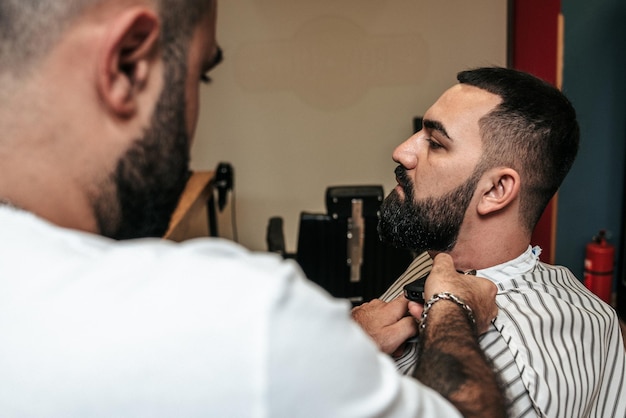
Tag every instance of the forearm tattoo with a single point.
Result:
(451, 361)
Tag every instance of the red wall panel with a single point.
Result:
(536, 49)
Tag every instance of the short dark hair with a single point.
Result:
(533, 130)
(30, 28)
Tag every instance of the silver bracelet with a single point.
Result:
(446, 296)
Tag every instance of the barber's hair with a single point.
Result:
(30, 28)
(533, 130)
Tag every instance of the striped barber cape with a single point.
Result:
(556, 347)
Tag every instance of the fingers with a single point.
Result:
(386, 312)
(443, 276)
(398, 333)
(398, 306)
(416, 309)
(386, 323)
(478, 293)
(443, 264)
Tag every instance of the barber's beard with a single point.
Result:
(147, 183)
(430, 224)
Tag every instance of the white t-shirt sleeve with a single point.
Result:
(93, 327)
(322, 364)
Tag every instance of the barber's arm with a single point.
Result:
(450, 359)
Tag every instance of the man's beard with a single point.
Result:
(430, 224)
(140, 197)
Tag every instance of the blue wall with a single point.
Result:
(594, 74)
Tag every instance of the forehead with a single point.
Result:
(207, 24)
(461, 107)
(203, 45)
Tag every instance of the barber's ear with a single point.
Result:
(500, 187)
(127, 59)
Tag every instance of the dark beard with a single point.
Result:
(430, 224)
(139, 199)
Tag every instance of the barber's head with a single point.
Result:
(120, 80)
(500, 138)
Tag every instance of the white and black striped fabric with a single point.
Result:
(557, 348)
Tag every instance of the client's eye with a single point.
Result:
(433, 144)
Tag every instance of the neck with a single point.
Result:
(489, 248)
(46, 194)
(42, 162)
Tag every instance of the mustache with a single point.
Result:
(403, 178)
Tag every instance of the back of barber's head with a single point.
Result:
(30, 28)
(98, 102)
(534, 130)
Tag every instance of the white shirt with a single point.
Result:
(557, 347)
(91, 327)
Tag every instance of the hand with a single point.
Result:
(478, 293)
(450, 358)
(386, 323)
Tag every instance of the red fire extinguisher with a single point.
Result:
(599, 256)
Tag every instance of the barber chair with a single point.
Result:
(340, 250)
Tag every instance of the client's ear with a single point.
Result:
(500, 187)
(129, 52)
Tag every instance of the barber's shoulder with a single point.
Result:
(202, 256)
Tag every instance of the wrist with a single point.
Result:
(447, 296)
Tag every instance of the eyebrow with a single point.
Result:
(434, 125)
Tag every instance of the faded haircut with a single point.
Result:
(30, 28)
(533, 130)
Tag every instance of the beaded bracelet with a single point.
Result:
(446, 296)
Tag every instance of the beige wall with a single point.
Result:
(318, 93)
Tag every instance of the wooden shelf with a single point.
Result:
(190, 220)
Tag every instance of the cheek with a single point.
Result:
(191, 109)
(437, 181)
(427, 181)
